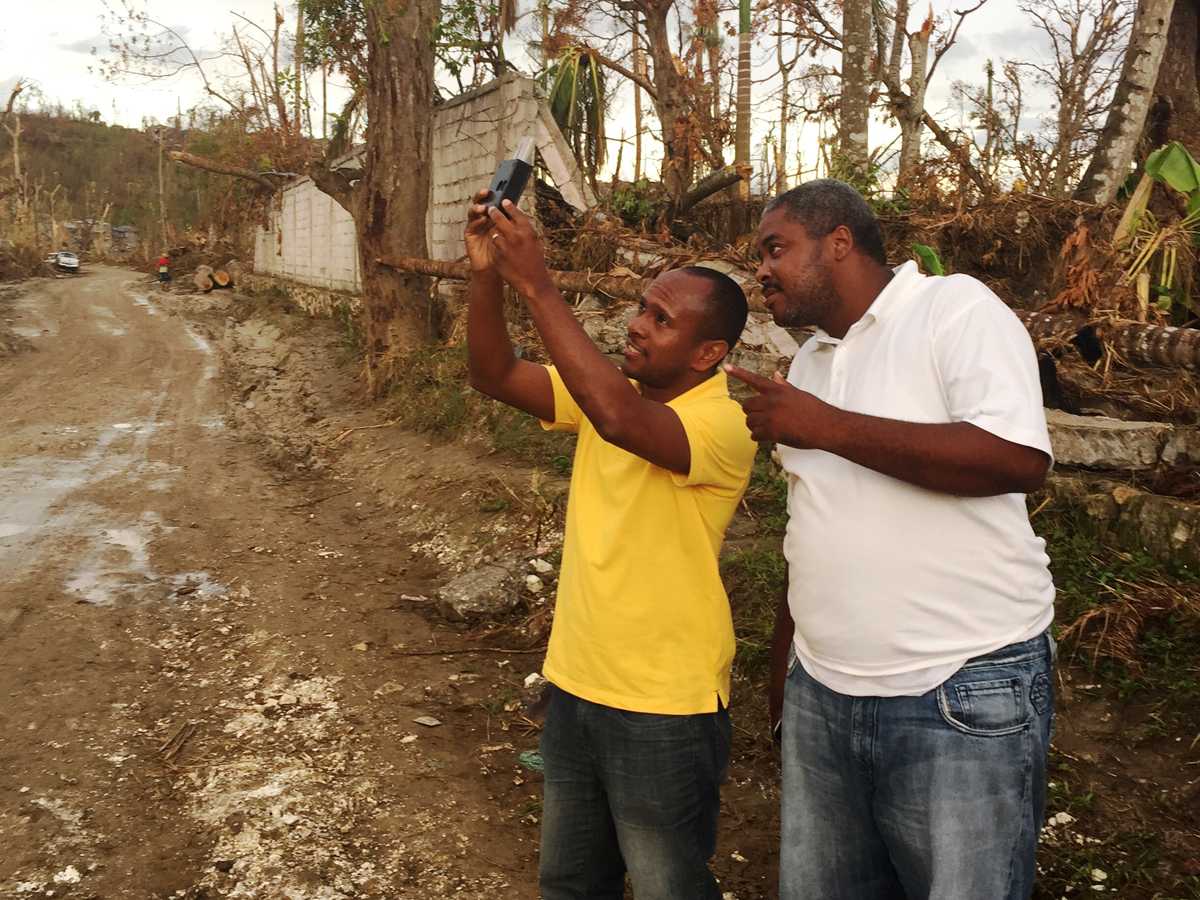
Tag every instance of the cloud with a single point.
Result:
(86, 45)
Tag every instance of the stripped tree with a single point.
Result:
(907, 105)
(855, 105)
(1130, 105)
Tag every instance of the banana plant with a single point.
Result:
(1152, 247)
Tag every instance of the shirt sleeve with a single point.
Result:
(721, 447)
(988, 366)
(567, 414)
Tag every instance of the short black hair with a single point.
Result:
(824, 204)
(727, 308)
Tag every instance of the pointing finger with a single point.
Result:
(757, 382)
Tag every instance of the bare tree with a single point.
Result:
(143, 48)
(908, 106)
(12, 125)
(996, 108)
(1087, 40)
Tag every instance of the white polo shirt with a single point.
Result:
(892, 586)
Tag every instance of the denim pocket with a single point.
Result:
(986, 708)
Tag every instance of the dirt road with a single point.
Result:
(202, 691)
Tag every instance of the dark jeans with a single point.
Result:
(630, 792)
(937, 797)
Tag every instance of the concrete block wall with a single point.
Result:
(311, 238)
(472, 133)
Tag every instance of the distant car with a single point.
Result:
(64, 261)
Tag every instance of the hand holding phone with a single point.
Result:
(511, 176)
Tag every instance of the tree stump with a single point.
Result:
(235, 270)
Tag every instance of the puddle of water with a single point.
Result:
(27, 332)
(32, 489)
(143, 300)
(199, 340)
(203, 345)
(118, 568)
(197, 584)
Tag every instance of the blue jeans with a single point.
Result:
(629, 792)
(937, 797)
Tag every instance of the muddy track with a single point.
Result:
(200, 654)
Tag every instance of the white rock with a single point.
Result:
(533, 584)
(69, 875)
(541, 566)
(533, 679)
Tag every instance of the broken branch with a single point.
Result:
(619, 287)
(208, 165)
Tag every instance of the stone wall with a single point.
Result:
(316, 301)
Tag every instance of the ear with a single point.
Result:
(709, 355)
(840, 242)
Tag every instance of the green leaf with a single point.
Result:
(929, 259)
(1173, 165)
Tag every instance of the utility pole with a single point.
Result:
(162, 211)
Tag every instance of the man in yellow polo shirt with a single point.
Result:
(637, 732)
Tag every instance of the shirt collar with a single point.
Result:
(904, 278)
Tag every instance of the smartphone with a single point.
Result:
(512, 175)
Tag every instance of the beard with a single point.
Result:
(807, 301)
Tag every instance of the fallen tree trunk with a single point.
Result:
(709, 185)
(1155, 345)
(221, 278)
(618, 287)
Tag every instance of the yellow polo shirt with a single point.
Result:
(642, 621)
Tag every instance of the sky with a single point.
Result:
(54, 52)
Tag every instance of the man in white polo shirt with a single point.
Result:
(916, 723)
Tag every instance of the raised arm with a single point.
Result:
(620, 414)
(495, 369)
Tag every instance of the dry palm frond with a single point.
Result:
(1112, 629)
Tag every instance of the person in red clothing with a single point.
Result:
(164, 268)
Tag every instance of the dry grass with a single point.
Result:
(1171, 395)
(1112, 629)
